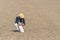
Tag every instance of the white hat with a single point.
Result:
(21, 15)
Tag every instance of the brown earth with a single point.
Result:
(42, 19)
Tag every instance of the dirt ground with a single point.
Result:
(42, 19)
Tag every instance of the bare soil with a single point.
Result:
(42, 19)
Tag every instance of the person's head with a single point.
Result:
(21, 15)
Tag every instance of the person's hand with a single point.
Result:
(19, 23)
(22, 24)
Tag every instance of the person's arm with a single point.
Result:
(17, 19)
(24, 21)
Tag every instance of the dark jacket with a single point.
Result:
(21, 20)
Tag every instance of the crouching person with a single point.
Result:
(20, 22)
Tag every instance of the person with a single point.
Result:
(20, 22)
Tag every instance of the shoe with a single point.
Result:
(18, 31)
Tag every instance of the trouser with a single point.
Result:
(19, 28)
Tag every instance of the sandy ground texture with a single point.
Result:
(42, 19)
